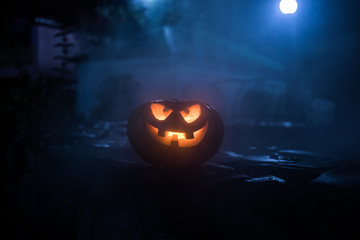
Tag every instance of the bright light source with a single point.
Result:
(288, 6)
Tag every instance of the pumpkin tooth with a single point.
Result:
(189, 135)
(161, 133)
(174, 140)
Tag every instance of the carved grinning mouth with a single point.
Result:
(177, 139)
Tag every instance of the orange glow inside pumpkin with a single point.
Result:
(192, 113)
(177, 138)
(159, 111)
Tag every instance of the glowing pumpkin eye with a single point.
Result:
(192, 113)
(159, 111)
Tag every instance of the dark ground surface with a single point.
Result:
(85, 182)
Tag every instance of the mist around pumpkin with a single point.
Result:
(285, 85)
(175, 133)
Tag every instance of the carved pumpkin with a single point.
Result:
(175, 133)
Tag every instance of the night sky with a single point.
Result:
(326, 35)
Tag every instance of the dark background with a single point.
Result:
(286, 87)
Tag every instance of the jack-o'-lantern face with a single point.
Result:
(175, 133)
(169, 134)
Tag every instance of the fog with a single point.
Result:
(258, 67)
(77, 162)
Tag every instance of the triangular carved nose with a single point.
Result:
(175, 122)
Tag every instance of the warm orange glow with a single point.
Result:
(159, 111)
(192, 113)
(178, 137)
